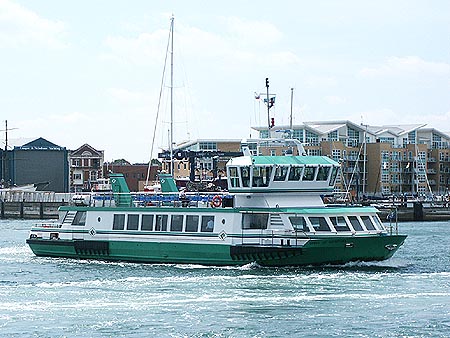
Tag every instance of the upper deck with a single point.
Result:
(313, 174)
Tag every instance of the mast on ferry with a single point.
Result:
(268, 106)
(170, 132)
(292, 101)
(171, 96)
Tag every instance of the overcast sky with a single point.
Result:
(76, 72)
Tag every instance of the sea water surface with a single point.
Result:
(406, 296)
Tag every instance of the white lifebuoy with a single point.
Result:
(216, 201)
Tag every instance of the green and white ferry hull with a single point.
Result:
(273, 215)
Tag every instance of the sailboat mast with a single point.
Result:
(171, 98)
(6, 134)
(4, 152)
(292, 101)
(268, 107)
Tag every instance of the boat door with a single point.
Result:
(78, 225)
(254, 226)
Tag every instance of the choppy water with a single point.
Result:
(406, 296)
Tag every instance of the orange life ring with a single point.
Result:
(216, 201)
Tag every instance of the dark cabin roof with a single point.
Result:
(40, 144)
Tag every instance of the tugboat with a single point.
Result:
(272, 214)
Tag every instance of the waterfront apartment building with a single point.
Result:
(375, 160)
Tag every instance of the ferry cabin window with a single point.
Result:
(80, 218)
(192, 223)
(234, 177)
(207, 224)
(322, 173)
(132, 222)
(261, 176)
(368, 223)
(339, 223)
(355, 223)
(319, 223)
(309, 173)
(161, 223)
(280, 173)
(118, 222)
(334, 175)
(147, 222)
(245, 175)
(295, 173)
(299, 223)
(254, 221)
(378, 223)
(176, 223)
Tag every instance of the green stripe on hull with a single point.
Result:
(316, 251)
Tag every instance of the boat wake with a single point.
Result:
(388, 265)
(250, 266)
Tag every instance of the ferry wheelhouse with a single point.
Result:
(272, 214)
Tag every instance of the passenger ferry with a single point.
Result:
(272, 214)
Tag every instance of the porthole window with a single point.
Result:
(99, 219)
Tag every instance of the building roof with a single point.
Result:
(325, 127)
(40, 144)
(282, 160)
(87, 151)
(396, 130)
(435, 131)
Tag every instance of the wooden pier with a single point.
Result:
(29, 210)
(415, 212)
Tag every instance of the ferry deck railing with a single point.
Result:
(190, 199)
(270, 238)
(393, 221)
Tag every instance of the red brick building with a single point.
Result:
(135, 174)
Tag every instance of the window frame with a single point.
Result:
(81, 219)
(175, 224)
(190, 224)
(147, 226)
(204, 223)
(118, 222)
(322, 221)
(133, 218)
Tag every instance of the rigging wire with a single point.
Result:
(158, 109)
